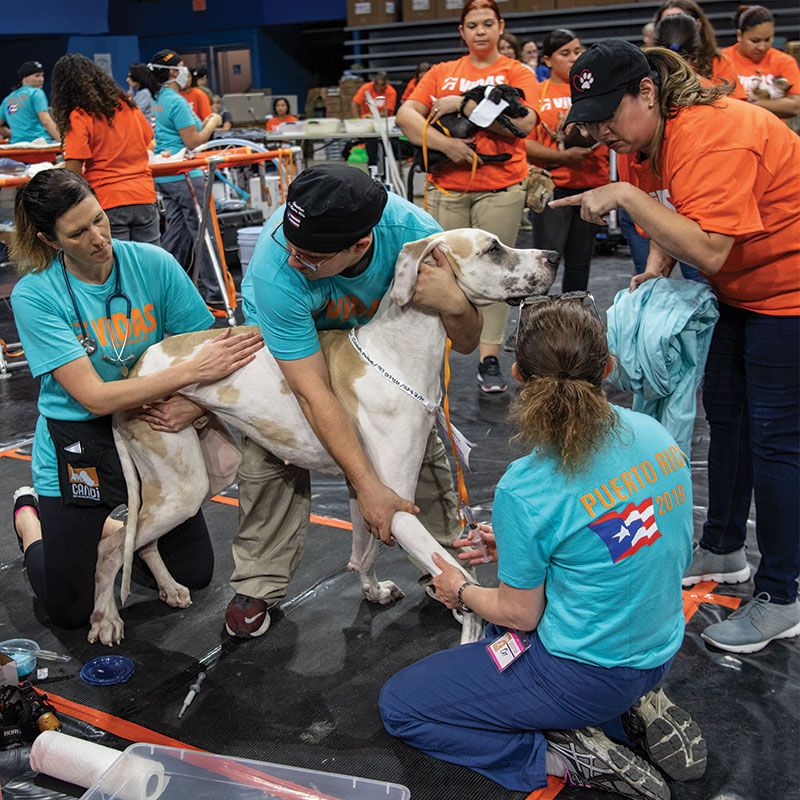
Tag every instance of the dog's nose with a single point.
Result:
(553, 258)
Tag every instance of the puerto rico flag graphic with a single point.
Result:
(625, 533)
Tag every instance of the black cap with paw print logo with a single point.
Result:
(599, 78)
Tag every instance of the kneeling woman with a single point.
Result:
(589, 566)
(86, 308)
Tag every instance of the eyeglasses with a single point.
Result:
(586, 299)
(301, 260)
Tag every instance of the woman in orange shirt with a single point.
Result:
(754, 57)
(706, 59)
(107, 139)
(732, 171)
(423, 67)
(573, 168)
(489, 197)
(197, 98)
(280, 113)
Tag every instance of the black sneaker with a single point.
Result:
(593, 761)
(489, 376)
(246, 617)
(670, 737)
(24, 496)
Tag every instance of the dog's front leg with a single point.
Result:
(105, 621)
(362, 561)
(170, 591)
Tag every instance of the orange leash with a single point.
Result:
(427, 169)
(465, 516)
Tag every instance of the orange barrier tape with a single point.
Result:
(315, 519)
(14, 453)
(554, 786)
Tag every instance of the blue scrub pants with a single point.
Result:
(751, 394)
(454, 705)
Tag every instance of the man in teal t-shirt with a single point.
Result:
(324, 261)
(25, 111)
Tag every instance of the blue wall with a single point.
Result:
(124, 51)
(54, 16)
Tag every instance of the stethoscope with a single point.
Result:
(89, 345)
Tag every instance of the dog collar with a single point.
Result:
(430, 406)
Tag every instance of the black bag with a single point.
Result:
(89, 469)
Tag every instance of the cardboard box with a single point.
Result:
(315, 101)
(333, 102)
(535, 5)
(582, 3)
(371, 12)
(414, 10)
(446, 9)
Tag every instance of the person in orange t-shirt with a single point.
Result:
(383, 93)
(732, 170)
(573, 168)
(699, 49)
(107, 138)
(492, 196)
(280, 113)
(755, 58)
(423, 67)
(197, 98)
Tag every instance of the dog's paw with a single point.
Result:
(382, 592)
(175, 596)
(107, 628)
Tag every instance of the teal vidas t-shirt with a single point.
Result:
(163, 301)
(20, 111)
(290, 309)
(172, 113)
(610, 543)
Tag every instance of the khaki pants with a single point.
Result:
(495, 212)
(274, 504)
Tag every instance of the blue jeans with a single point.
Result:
(751, 395)
(456, 706)
(640, 248)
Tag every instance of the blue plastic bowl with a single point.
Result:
(26, 662)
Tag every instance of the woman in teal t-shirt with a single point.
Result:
(593, 532)
(25, 111)
(86, 308)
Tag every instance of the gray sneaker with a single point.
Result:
(590, 759)
(754, 625)
(708, 566)
(670, 737)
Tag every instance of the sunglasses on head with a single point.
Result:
(526, 304)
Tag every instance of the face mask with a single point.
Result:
(184, 78)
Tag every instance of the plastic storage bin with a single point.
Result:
(150, 772)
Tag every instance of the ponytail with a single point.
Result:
(561, 408)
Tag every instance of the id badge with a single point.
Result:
(505, 650)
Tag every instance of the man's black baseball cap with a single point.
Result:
(330, 207)
(29, 68)
(600, 76)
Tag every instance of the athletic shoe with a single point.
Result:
(754, 625)
(510, 344)
(24, 496)
(246, 617)
(708, 566)
(669, 736)
(489, 376)
(592, 760)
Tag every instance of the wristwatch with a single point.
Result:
(462, 606)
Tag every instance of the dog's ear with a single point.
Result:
(406, 268)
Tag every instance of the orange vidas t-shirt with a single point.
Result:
(722, 69)
(456, 77)
(775, 64)
(734, 169)
(386, 101)
(554, 104)
(115, 158)
(273, 122)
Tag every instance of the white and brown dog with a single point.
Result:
(169, 475)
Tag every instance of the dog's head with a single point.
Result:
(486, 270)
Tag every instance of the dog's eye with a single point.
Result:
(493, 249)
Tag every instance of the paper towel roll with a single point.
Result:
(83, 763)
